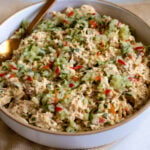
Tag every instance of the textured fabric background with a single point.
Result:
(9, 140)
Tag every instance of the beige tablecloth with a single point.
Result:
(9, 140)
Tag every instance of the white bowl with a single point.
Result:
(84, 139)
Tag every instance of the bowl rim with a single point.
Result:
(82, 133)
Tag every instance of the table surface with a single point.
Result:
(138, 140)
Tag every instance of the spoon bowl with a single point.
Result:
(7, 47)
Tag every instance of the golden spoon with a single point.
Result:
(7, 47)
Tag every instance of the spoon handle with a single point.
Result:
(39, 16)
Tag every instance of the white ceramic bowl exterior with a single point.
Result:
(76, 141)
(73, 141)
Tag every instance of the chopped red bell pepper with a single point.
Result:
(58, 108)
(98, 78)
(12, 76)
(51, 64)
(13, 67)
(2, 74)
(70, 14)
(102, 44)
(133, 79)
(98, 54)
(102, 120)
(107, 91)
(46, 67)
(93, 24)
(121, 62)
(130, 56)
(93, 14)
(29, 78)
(71, 85)
(77, 67)
(130, 78)
(139, 48)
(58, 53)
(57, 70)
(75, 78)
